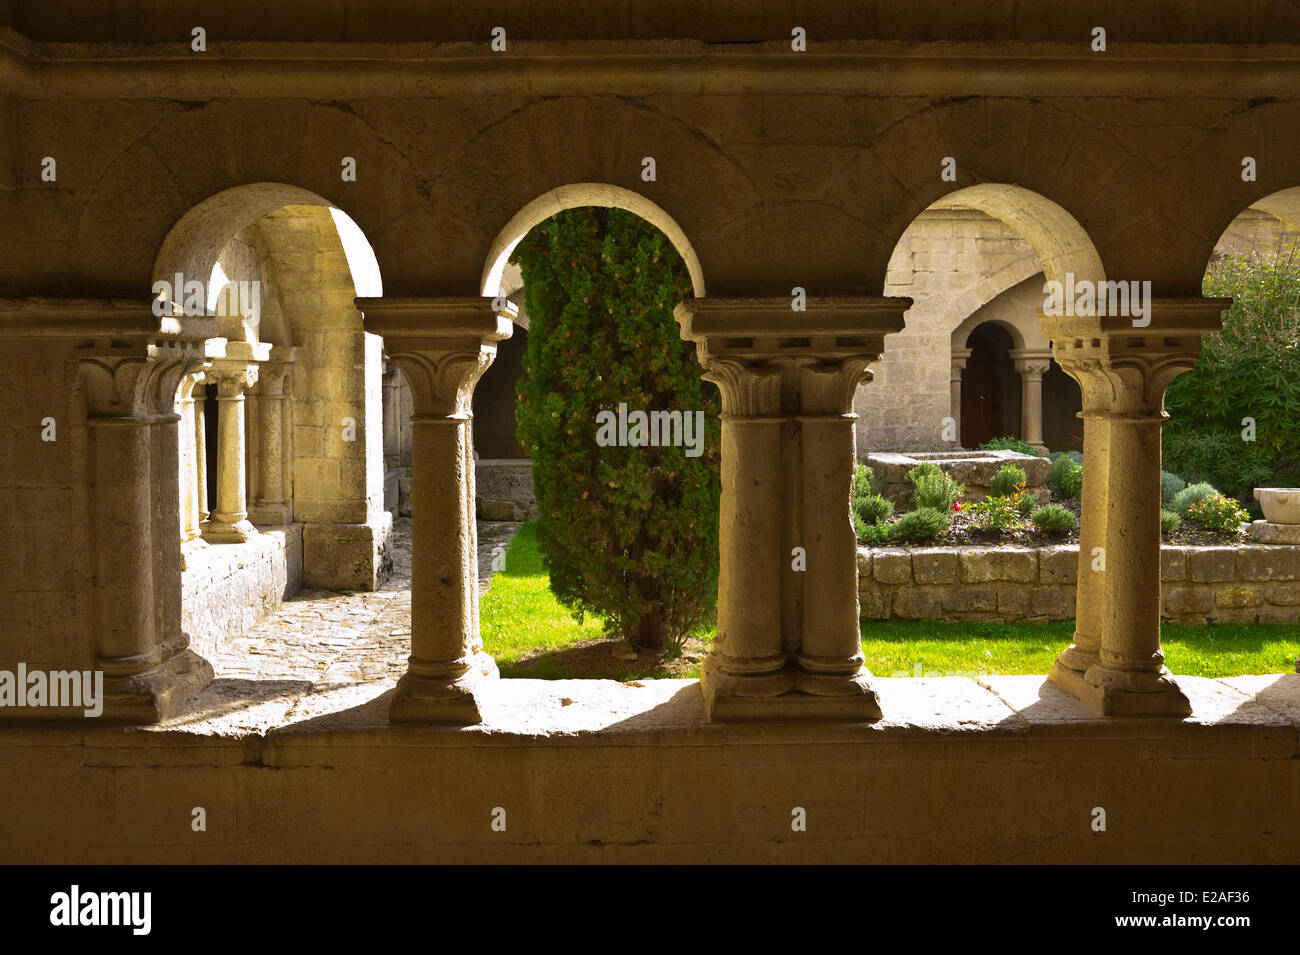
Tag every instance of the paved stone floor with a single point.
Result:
(320, 642)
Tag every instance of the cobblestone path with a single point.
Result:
(319, 642)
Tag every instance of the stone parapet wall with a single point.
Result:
(1246, 583)
(226, 588)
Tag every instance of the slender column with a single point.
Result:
(959, 357)
(788, 644)
(1123, 372)
(130, 392)
(747, 659)
(392, 427)
(271, 505)
(190, 454)
(1090, 591)
(831, 657)
(442, 346)
(1031, 366)
(229, 522)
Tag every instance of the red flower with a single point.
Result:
(956, 505)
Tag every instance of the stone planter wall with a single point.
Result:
(1241, 584)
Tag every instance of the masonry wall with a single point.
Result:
(1245, 583)
(45, 577)
(950, 262)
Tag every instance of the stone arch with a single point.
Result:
(573, 196)
(1058, 240)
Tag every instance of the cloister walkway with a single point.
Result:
(297, 661)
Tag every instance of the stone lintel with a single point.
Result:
(759, 329)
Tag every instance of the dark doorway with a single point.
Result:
(990, 388)
(211, 439)
(1062, 401)
(494, 401)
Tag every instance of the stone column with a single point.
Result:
(130, 390)
(442, 347)
(1031, 365)
(189, 458)
(233, 376)
(392, 428)
(1123, 372)
(959, 358)
(788, 643)
(271, 506)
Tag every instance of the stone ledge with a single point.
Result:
(631, 773)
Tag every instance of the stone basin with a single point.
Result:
(1281, 505)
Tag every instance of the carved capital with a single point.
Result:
(442, 346)
(748, 390)
(130, 381)
(233, 378)
(827, 388)
(1123, 370)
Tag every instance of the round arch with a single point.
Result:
(1058, 240)
(573, 196)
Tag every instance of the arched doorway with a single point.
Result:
(990, 387)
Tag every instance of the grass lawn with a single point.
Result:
(530, 635)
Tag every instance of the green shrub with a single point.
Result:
(996, 514)
(1189, 496)
(1054, 519)
(1246, 370)
(1169, 522)
(1215, 512)
(1006, 481)
(1075, 456)
(1008, 443)
(1066, 479)
(873, 509)
(922, 524)
(931, 487)
(1170, 485)
(865, 482)
(627, 534)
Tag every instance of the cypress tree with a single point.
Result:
(628, 534)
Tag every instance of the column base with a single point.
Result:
(190, 546)
(216, 532)
(788, 694)
(271, 515)
(1069, 668)
(423, 698)
(1133, 693)
(158, 692)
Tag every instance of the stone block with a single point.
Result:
(864, 563)
(1013, 601)
(1051, 601)
(1266, 533)
(1283, 595)
(1212, 564)
(934, 566)
(1184, 600)
(1018, 564)
(1173, 564)
(970, 599)
(874, 603)
(1268, 562)
(892, 566)
(915, 603)
(1236, 598)
(345, 556)
(1059, 564)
